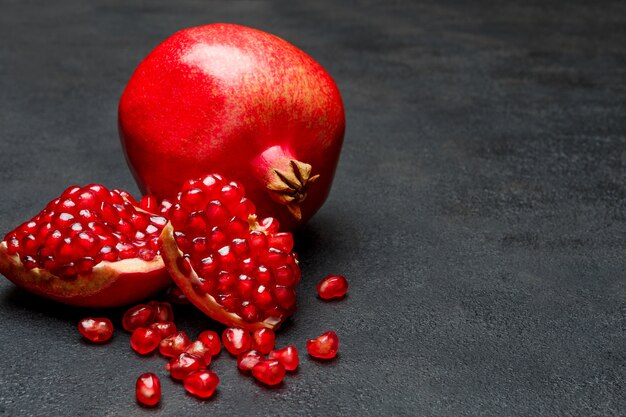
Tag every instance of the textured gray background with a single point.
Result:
(478, 209)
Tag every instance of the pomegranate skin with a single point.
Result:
(230, 99)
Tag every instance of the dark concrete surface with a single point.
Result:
(478, 209)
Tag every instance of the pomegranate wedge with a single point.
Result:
(237, 270)
(89, 247)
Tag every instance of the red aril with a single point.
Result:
(89, 247)
(202, 384)
(269, 372)
(263, 340)
(212, 340)
(236, 100)
(247, 360)
(162, 310)
(239, 271)
(137, 316)
(183, 364)
(333, 286)
(164, 328)
(148, 389)
(236, 341)
(288, 356)
(144, 340)
(174, 345)
(324, 346)
(96, 330)
(200, 349)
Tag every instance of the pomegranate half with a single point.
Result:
(239, 101)
(89, 247)
(237, 270)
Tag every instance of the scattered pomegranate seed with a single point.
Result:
(140, 315)
(263, 340)
(324, 346)
(201, 383)
(162, 310)
(174, 345)
(212, 340)
(144, 340)
(247, 360)
(183, 364)
(96, 330)
(164, 328)
(200, 349)
(333, 286)
(269, 372)
(148, 389)
(236, 341)
(288, 356)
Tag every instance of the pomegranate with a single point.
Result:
(236, 341)
(96, 330)
(333, 286)
(237, 270)
(231, 99)
(324, 346)
(202, 384)
(269, 372)
(148, 389)
(288, 356)
(183, 364)
(89, 247)
(263, 340)
(174, 344)
(144, 340)
(247, 360)
(212, 340)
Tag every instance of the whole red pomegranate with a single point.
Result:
(238, 101)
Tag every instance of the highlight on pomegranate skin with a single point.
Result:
(238, 270)
(90, 246)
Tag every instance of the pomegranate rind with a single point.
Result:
(109, 284)
(204, 302)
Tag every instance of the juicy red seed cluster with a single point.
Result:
(83, 227)
(251, 273)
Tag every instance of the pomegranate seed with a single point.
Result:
(282, 241)
(236, 341)
(263, 340)
(212, 340)
(247, 360)
(183, 364)
(96, 330)
(144, 340)
(269, 372)
(148, 389)
(201, 350)
(162, 311)
(324, 346)
(174, 345)
(140, 315)
(202, 384)
(288, 356)
(333, 286)
(164, 328)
